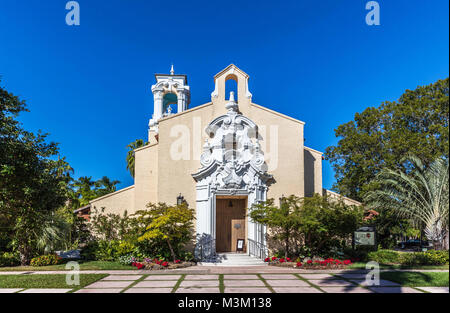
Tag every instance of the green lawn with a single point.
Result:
(84, 265)
(417, 279)
(46, 281)
(362, 265)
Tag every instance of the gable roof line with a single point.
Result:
(145, 147)
(111, 194)
(313, 150)
(185, 112)
(278, 113)
(227, 68)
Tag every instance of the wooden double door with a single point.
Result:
(230, 224)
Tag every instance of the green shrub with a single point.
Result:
(89, 251)
(45, 260)
(124, 248)
(126, 259)
(9, 259)
(432, 257)
(437, 257)
(107, 250)
(385, 256)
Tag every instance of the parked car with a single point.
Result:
(414, 244)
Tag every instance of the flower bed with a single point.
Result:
(319, 264)
(155, 264)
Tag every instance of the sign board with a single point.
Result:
(364, 236)
(240, 245)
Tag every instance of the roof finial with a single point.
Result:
(231, 105)
(172, 71)
(231, 96)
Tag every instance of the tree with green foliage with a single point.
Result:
(84, 190)
(318, 222)
(106, 186)
(138, 143)
(420, 195)
(326, 224)
(283, 221)
(170, 223)
(381, 137)
(33, 178)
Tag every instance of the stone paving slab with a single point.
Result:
(199, 283)
(344, 289)
(10, 290)
(122, 277)
(149, 290)
(198, 290)
(110, 284)
(45, 290)
(435, 289)
(296, 290)
(247, 290)
(201, 277)
(104, 290)
(317, 276)
(287, 283)
(394, 290)
(230, 277)
(155, 284)
(383, 283)
(163, 277)
(243, 283)
(279, 276)
(332, 282)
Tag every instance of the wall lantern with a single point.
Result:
(180, 200)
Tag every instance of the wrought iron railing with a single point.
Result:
(207, 250)
(257, 249)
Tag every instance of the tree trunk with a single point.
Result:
(171, 250)
(25, 255)
(286, 251)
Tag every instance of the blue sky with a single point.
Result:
(317, 61)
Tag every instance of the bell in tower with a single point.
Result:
(171, 95)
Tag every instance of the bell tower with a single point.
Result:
(171, 95)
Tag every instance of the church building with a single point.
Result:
(220, 157)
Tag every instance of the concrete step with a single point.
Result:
(234, 259)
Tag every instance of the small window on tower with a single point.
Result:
(231, 84)
(170, 100)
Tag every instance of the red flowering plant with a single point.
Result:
(308, 263)
(160, 263)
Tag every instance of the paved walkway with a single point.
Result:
(232, 280)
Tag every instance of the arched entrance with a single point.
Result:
(229, 172)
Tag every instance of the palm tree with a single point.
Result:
(421, 195)
(83, 191)
(138, 143)
(108, 186)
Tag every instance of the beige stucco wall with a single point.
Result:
(335, 196)
(117, 202)
(285, 136)
(174, 171)
(162, 173)
(146, 176)
(313, 172)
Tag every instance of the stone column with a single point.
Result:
(157, 104)
(181, 100)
